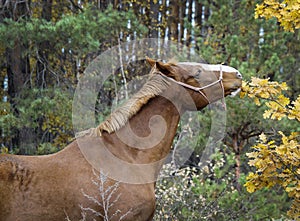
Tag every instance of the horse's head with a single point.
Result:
(205, 83)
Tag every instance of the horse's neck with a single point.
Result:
(148, 135)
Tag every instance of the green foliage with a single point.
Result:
(46, 148)
(81, 33)
(55, 53)
(255, 47)
(46, 112)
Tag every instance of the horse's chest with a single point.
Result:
(137, 202)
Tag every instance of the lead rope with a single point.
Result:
(222, 86)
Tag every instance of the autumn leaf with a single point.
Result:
(275, 162)
(263, 138)
(287, 12)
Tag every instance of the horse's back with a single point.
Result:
(36, 187)
(6, 178)
(15, 177)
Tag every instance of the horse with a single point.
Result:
(70, 185)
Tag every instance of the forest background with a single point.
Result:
(46, 45)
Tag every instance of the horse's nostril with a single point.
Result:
(239, 75)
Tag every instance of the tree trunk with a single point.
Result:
(189, 26)
(163, 19)
(43, 77)
(237, 151)
(153, 18)
(18, 72)
(173, 20)
(198, 14)
(182, 15)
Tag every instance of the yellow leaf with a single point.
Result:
(267, 114)
(277, 116)
(284, 138)
(263, 137)
(242, 94)
(290, 189)
(283, 100)
(252, 154)
(3, 150)
(256, 101)
(284, 86)
(293, 135)
(250, 187)
(281, 150)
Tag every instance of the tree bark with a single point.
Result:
(198, 14)
(153, 17)
(43, 77)
(182, 14)
(18, 71)
(189, 27)
(173, 20)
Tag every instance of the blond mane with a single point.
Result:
(152, 88)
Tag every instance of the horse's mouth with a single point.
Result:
(235, 92)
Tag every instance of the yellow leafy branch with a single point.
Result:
(286, 12)
(279, 105)
(276, 163)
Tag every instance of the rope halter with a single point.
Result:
(199, 89)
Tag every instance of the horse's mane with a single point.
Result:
(155, 85)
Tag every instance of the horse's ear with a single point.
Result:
(165, 68)
(150, 61)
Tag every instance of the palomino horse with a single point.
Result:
(63, 186)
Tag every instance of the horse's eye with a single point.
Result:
(239, 75)
(198, 74)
